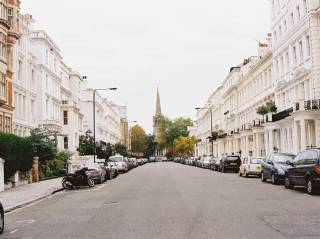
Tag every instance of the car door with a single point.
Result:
(309, 160)
(268, 166)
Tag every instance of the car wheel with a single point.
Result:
(310, 187)
(263, 179)
(1, 220)
(246, 174)
(90, 182)
(287, 183)
(274, 180)
(222, 170)
(240, 174)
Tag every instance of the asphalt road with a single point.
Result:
(171, 201)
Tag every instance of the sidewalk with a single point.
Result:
(27, 194)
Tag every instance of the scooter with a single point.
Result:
(79, 178)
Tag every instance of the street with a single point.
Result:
(168, 200)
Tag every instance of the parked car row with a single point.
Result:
(92, 173)
(302, 170)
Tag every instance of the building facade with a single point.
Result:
(285, 73)
(9, 34)
(124, 126)
(25, 64)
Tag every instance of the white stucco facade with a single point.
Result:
(287, 72)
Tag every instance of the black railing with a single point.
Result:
(282, 115)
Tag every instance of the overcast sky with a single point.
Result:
(185, 47)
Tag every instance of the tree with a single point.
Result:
(184, 146)
(121, 149)
(171, 130)
(17, 153)
(271, 107)
(262, 110)
(150, 145)
(44, 147)
(86, 144)
(138, 136)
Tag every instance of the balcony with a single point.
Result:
(307, 105)
(282, 115)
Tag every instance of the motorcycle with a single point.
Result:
(79, 178)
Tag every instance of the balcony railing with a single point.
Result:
(307, 105)
(282, 115)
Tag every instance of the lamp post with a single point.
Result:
(94, 119)
(211, 123)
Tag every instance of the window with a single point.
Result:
(294, 51)
(65, 143)
(7, 125)
(298, 12)
(3, 87)
(1, 123)
(280, 31)
(3, 11)
(305, 6)
(287, 62)
(10, 16)
(33, 83)
(301, 51)
(47, 57)
(292, 19)
(65, 117)
(285, 26)
(309, 158)
(3, 46)
(275, 36)
(20, 70)
(308, 46)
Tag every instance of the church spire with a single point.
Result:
(158, 105)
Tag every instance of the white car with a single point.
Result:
(206, 162)
(120, 162)
(250, 166)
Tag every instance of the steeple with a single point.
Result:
(158, 105)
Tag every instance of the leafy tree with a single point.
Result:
(150, 145)
(17, 153)
(120, 149)
(184, 146)
(86, 144)
(262, 110)
(138, 136)
(171, 130)
(271, 107)
(104, 150)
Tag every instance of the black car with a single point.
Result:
(1, 218)
(274, 167)
(305, 171)
(230, 163)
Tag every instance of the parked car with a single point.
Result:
(215, 164)
(1, 218)
(305, 171)
(152, 160)
(96, 171)
(120, 162)
(230, 163)
(206, 162)
(250, 166)
(111, 171)
(274, 167)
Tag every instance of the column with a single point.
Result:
(271, 145)
(303, 134)
(317, 132)
(266, 142)
(247, 145)
(296, 144)
(1, 175)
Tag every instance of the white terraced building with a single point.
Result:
(286, 71)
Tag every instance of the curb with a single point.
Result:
(11, 209)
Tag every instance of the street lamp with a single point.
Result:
(211, 122)
(94, 119)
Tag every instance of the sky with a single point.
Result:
(183, 47)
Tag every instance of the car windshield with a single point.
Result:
(283, 158)
(255, 161)
(232, 158)
(115, 159)
(91, 166)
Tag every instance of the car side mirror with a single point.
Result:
(290, 163)
(270, 162)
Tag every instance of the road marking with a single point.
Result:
(13, 231)
(28, 222)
